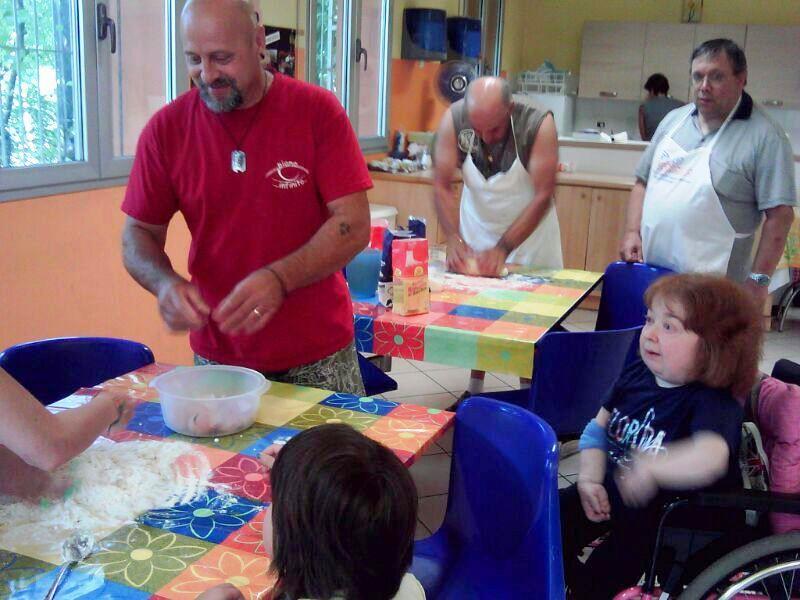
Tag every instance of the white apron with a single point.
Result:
(683, 225)
(490, 206)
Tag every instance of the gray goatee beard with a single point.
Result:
(232, 102)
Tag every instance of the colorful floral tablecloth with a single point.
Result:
(477, 322)
(181, 551)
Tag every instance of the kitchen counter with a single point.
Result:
(600, 180)
(425, 176)
(600, 145)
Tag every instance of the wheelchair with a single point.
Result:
(750, 562)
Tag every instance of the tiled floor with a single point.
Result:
(438, 386)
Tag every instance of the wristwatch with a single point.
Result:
(761, 279)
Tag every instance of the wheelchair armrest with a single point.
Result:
(757, 500)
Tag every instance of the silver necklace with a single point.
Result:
(238, 157)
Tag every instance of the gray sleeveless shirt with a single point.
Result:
(526, 119)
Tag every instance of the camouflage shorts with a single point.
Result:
(338, 372)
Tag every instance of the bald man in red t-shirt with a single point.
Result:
(269, 177)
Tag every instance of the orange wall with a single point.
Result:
(62, 274)
(415, 105)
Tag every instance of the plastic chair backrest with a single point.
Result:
(573, 371)
(622, 299)
(52, 369)
(375, 380)
(502, 512)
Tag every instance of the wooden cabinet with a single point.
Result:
(606, 224)
(773, 73)
(667, 49)
(592, 220)
(573, 207)
(611, 60)
(618, 57)
(410, 195)
(703, 33)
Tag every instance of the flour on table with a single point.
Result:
(455, 282)
(113, 484)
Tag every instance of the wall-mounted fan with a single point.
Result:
(453, 78)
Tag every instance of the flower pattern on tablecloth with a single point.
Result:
(249, 538)
(373, 406)
(279, 435)
(363, 333)
(211, 517)
(148, 418)
(232, 443)
(319, 415)
(17, 572)
(224, 565)
(135, 385)
(423, 414)
(401, 434)
(144, 558)
(244, 476)
(406, 341)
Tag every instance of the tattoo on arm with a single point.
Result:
(344, 229)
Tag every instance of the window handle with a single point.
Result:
(361, 51)
(106, 25)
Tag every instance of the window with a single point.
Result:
(349, 54)
(78, 81)
(490, 12)
(39, 85)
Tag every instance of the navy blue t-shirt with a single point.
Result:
(646, 417)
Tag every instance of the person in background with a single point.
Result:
(670, 423)
(714, 170)
(656, 105)
(342, 520)
(268, 174)
(34, 442)
(508, 155)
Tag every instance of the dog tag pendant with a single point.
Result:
(238, 161)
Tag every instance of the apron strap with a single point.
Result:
(514, 136)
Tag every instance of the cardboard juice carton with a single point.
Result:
(410, 276)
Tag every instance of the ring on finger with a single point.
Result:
(257, 313)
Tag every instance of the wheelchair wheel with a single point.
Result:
(765, 568)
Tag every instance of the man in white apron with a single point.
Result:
(713, 169)
(508, 154)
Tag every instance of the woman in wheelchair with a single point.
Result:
(670, 423)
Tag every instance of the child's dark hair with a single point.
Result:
(726, 319)
(344, 513)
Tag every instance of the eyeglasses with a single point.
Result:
(714, 78)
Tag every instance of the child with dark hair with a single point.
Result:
(342, 520)
(670, 423)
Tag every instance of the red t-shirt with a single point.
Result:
(301, 153)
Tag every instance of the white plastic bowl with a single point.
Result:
(210, 400)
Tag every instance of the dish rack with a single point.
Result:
(547, 82)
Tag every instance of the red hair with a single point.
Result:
(727, 321)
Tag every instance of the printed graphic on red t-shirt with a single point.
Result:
(301, 153)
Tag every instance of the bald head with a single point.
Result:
(488, 105)
(238, 13)
(223, 43)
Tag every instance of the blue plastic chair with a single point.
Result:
(375, 381)
(572, 372)
(622, 299)
(501, 536)
(53, 369)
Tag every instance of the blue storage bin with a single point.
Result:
(464, 38)
(424, 34)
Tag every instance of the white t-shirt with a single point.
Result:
(410, 589)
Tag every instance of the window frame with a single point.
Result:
(350, 88)
(99, 168)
